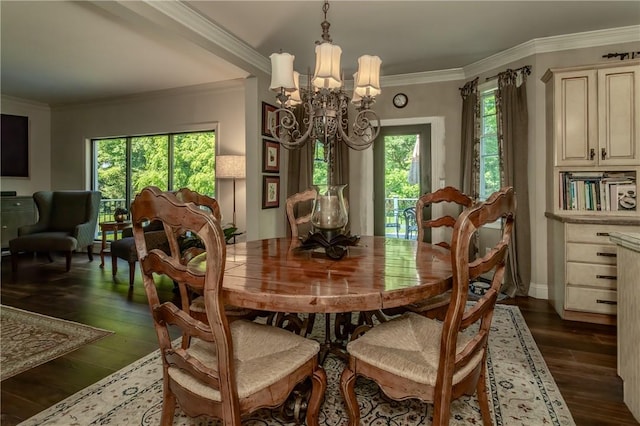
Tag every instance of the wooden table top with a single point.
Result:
(377, 273)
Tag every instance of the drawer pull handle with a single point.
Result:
(606, 254)
(602, 234)
(607, 277)
(606, 302)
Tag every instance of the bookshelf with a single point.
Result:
(589, 191)
(593, 165)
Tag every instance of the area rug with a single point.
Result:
(28, 339)
(522, 391)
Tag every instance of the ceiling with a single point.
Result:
(60, 52)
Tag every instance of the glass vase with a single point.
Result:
(329, 214)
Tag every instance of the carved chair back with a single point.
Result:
(448, 194)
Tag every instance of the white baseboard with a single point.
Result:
(538, 291)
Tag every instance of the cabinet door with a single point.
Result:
(618, 115)
(575, 100)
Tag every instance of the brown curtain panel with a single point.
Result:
(470, 158)
(513, 140)
(300, 169)
(341, 164)
(470, 147)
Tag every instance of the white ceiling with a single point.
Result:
(60, 52)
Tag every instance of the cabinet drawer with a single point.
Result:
(591, 300)
(25, 204)
(602, 276)
(591, 253)
(16, 212)
(588, 233)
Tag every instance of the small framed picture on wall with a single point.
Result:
(270, 192)
(269, 118)
(270, 156)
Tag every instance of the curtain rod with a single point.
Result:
(526, 69)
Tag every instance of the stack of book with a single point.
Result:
(598, 191)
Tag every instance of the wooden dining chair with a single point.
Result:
(434, 307)
(299, 208)
(412, 356)
(191, 300)
(229, 369)
(447, 194)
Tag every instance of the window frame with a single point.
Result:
(483, 90)
(171, 141)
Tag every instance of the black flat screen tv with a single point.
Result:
(14, 146)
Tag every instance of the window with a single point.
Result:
(123, 166)
(489, 155)
(320, 165)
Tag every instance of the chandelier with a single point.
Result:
(325, 101)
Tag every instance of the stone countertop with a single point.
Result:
(630, 240)
(605, 220)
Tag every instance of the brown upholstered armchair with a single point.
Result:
(66, 222)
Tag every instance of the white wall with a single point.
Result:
(271, 222)
(192, 108)
(39, 146)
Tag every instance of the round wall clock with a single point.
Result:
(400, 100)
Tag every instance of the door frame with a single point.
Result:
(361, 172)
(379, 149)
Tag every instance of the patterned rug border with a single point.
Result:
(142, 391)
(79, 335)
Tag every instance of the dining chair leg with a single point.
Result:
(168, 406)
(318, 389)
(483, 399)
(347, 389)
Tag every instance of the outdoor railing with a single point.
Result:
(394, 220)
(395, 224)
(107, 210)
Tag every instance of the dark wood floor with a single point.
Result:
(581, 356)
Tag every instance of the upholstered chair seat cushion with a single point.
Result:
(125, 248)
(44, 242)
(408, 346)
(263, 355)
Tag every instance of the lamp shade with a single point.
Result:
(230, 167)
(367, 81)
(282, 72)
(327, 73)
(294, 97)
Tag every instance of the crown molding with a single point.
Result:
(526, 49)
(422, 77)
(554, 44)
(217, 87)
(212, 32)
(23, 102)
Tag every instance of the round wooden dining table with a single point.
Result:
(377, 273)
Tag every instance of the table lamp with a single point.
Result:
(231, 167)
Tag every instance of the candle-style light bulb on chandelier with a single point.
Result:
(325, 101)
